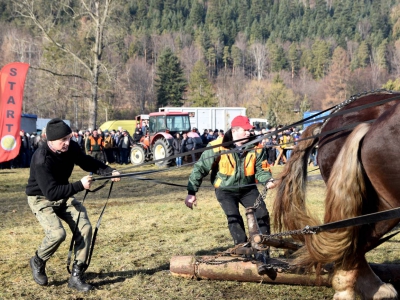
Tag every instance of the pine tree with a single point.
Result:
(277, 57)
(293, 58)
(320, 51)
(226, 56)
(170, 82)
(200, 89)
(271, 118)
(236, 55)
(196, 16)
(381, 55)
(363, 55)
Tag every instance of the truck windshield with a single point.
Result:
(178, 123)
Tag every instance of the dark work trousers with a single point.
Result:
(229, 202)
(124, 155)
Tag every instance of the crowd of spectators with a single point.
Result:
(114, 146)
(107, 146)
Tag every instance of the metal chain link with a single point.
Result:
(262, 195)
(306, 230)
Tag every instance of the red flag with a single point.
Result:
(12, 80)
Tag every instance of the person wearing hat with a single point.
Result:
(234, 176)
(51, 199)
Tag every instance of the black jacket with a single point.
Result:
(121, 140)
(50, 172)
(177, 145)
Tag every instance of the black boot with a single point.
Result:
(38, 267)
(76, 280)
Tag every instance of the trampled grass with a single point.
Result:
(144, 225)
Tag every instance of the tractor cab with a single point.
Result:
(162, 128)
(168, 121)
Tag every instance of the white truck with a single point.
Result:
(259, 123)
(209, 117)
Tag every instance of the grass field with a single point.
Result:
(144, 225)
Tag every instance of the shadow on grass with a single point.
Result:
(2, 172)
(121, 276)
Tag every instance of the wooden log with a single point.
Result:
(276, 243)
(230, 268)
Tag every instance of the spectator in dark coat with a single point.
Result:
(204, 137)
(137, 136)
(177, 145)
(125, 144)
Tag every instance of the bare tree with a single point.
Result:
(140, 83)
(189, 56)
(259, 53)
(96, 15)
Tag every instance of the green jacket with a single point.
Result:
(229, 170)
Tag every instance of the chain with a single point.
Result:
(278, 266)
(306, 230)
(262, 195)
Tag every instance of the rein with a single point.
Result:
(356, 221)
(71, 246)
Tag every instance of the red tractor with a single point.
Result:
(157, 143)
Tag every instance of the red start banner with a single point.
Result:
(12, 81)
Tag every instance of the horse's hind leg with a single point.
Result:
(362, 281)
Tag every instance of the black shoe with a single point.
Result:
(38, 267)
(76, 280)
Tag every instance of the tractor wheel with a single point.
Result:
(137, 155)
(162, 149)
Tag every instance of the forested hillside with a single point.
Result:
(119, 58)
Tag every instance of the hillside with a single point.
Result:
(274, 57)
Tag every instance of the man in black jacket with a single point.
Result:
(51, 199)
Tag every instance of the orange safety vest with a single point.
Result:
(96, 145)
(227, 163)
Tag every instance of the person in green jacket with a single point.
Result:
(234, 176)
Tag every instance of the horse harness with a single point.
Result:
(259, 241)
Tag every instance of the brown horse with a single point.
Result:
(361, 169)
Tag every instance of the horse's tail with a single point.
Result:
(289, 210)
(345, 192)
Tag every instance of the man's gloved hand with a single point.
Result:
(190, 201)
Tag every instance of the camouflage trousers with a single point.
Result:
(50, 213)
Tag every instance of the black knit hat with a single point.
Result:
(57, 129)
